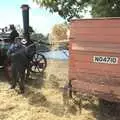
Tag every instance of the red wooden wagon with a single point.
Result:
(94, 65)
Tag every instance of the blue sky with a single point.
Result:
(40, 19)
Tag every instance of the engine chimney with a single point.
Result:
(25, 14)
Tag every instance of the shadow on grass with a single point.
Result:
(37, 99)
(36, 80)
(108, 111)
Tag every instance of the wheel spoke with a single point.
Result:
(38, 69)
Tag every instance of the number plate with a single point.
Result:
(105, 59)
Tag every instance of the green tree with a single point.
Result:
(105, 8)
(69, 9)
(39, 37)
(65, 8)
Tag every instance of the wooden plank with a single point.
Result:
(95, 38)
(96, 23)
(95, 31)
(111, 93)
(83, 58)
(96, 78)
(60, 41)
(91, 66)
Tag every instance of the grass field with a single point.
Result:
(42, 99)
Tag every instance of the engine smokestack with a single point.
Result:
(25, 14)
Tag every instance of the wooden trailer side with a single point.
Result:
(95, 57)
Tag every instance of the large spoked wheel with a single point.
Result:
(38, 64)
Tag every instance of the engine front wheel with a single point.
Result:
(8, 69)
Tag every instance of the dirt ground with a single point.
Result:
(42, 99)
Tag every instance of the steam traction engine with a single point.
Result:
(38, 63)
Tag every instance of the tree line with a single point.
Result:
(69, 9)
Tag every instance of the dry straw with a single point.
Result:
(59, 35)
